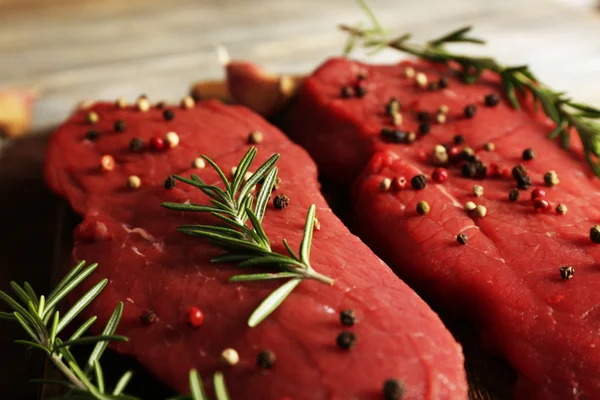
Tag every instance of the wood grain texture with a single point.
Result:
(101, 49)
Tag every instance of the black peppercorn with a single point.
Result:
(346, 340)
(459, 139)
(347, 92)
(161, 104)
(462, 238)
(447, 147)
(168, 115)
(281, 201)
(362, 76)
(595, 234)
(265, 359)
(136, 144)
(92, 135)
(443, 83)
(120, 125)
(480, 169)
(393, 389)
(393, 135)
(347, 317)
(423, 116)
(469, 170)
(523, 182)
(513, 195)
(433, 86)
(492, 100)
(418, 182)
(470, 111)
(170, 182)
(528, 154)
(468, 155)
(424, 128)
(519, 170)
(360, 91)
(566, 272)
(148, 317)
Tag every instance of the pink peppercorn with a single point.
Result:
(440, 175)
(399, 183)
(157, 143)
(538, 193)
(541, 205)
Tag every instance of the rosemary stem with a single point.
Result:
(312, 274)
(57, 361)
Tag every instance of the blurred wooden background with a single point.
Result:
(101, 49)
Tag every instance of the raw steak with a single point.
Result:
(506, 278)
(151, 266)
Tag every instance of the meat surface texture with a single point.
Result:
(152, 266)
(506, 277)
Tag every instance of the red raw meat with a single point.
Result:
(151, 266)
(506, 278)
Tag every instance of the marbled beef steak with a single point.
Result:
(506, 277)
(152, 266)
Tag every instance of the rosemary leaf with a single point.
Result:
(258, 176)
(231, 257)
(64, 281)
(92, 340)
(256, 225)
(21, 294)
(273, 301)
(307, 237)
(33, 344)
(262, 198)
(272, 259)
(290, 250)
(58, 294)
(240, 172)
(122, 383)
(87, 383)
(261, 277)
(190, 207)
(201, 229)
(196, 387)
(220, 388)
(219, 171)
(109, 329)
(224, 239)
(99, 376)
(16, 307)
(7, 316)
(26, 326)
(53, 331)
(81, 330)
(559, 128)
(57, 382)
(81, 304)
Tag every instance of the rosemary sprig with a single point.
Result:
(248, 244)
(197, 389)
(43, 323)
(567, 114)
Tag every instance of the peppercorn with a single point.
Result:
(433, 86)
(121, 103)
(439, 155)
(107, 163)
(538, 193)
(134, 182)
(92, 135)
(462, 238)
(399, 183)
(454, 153)
(424, 128)
(513, 195)
(458, 139)
(397, 119)
(470, 206)
(198, 163)
(421, 79)
(439, 175)
(148, 317)
(171, 139)
(489, 146)
(409, 72)
(346, 340)
(347, 92)
(143, 104)
(528, 154)
(561, 209)
(347, 317)
(265, 359)
(541, 204)
(480, 169)
(440, 118)
(393, 135)
(194, 317)
(120, 125)
(519, 171)
(492, 100)
(477, 190)
(281, 201)
(443, 83)
(392, 107)
(363, 75)
(443, 109)
(469, 170)
(551, 179)
(360, 90)
(470, 110)
(385, 184)
(229, 357)
(524, 182)
(393, 389)
(481, 211)
(595, 234)
(423, 207)
(467, 154)
(423, 116)
(136, 144)
(157, 143)
(411, 137)
(170, 182)
(161, 104)
(418, 182)
(168, 115)
(566, 272)
(188, 102)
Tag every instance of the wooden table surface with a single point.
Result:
(101, 49)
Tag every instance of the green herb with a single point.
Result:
(197, 389)
(567, 114)
(246, 243)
